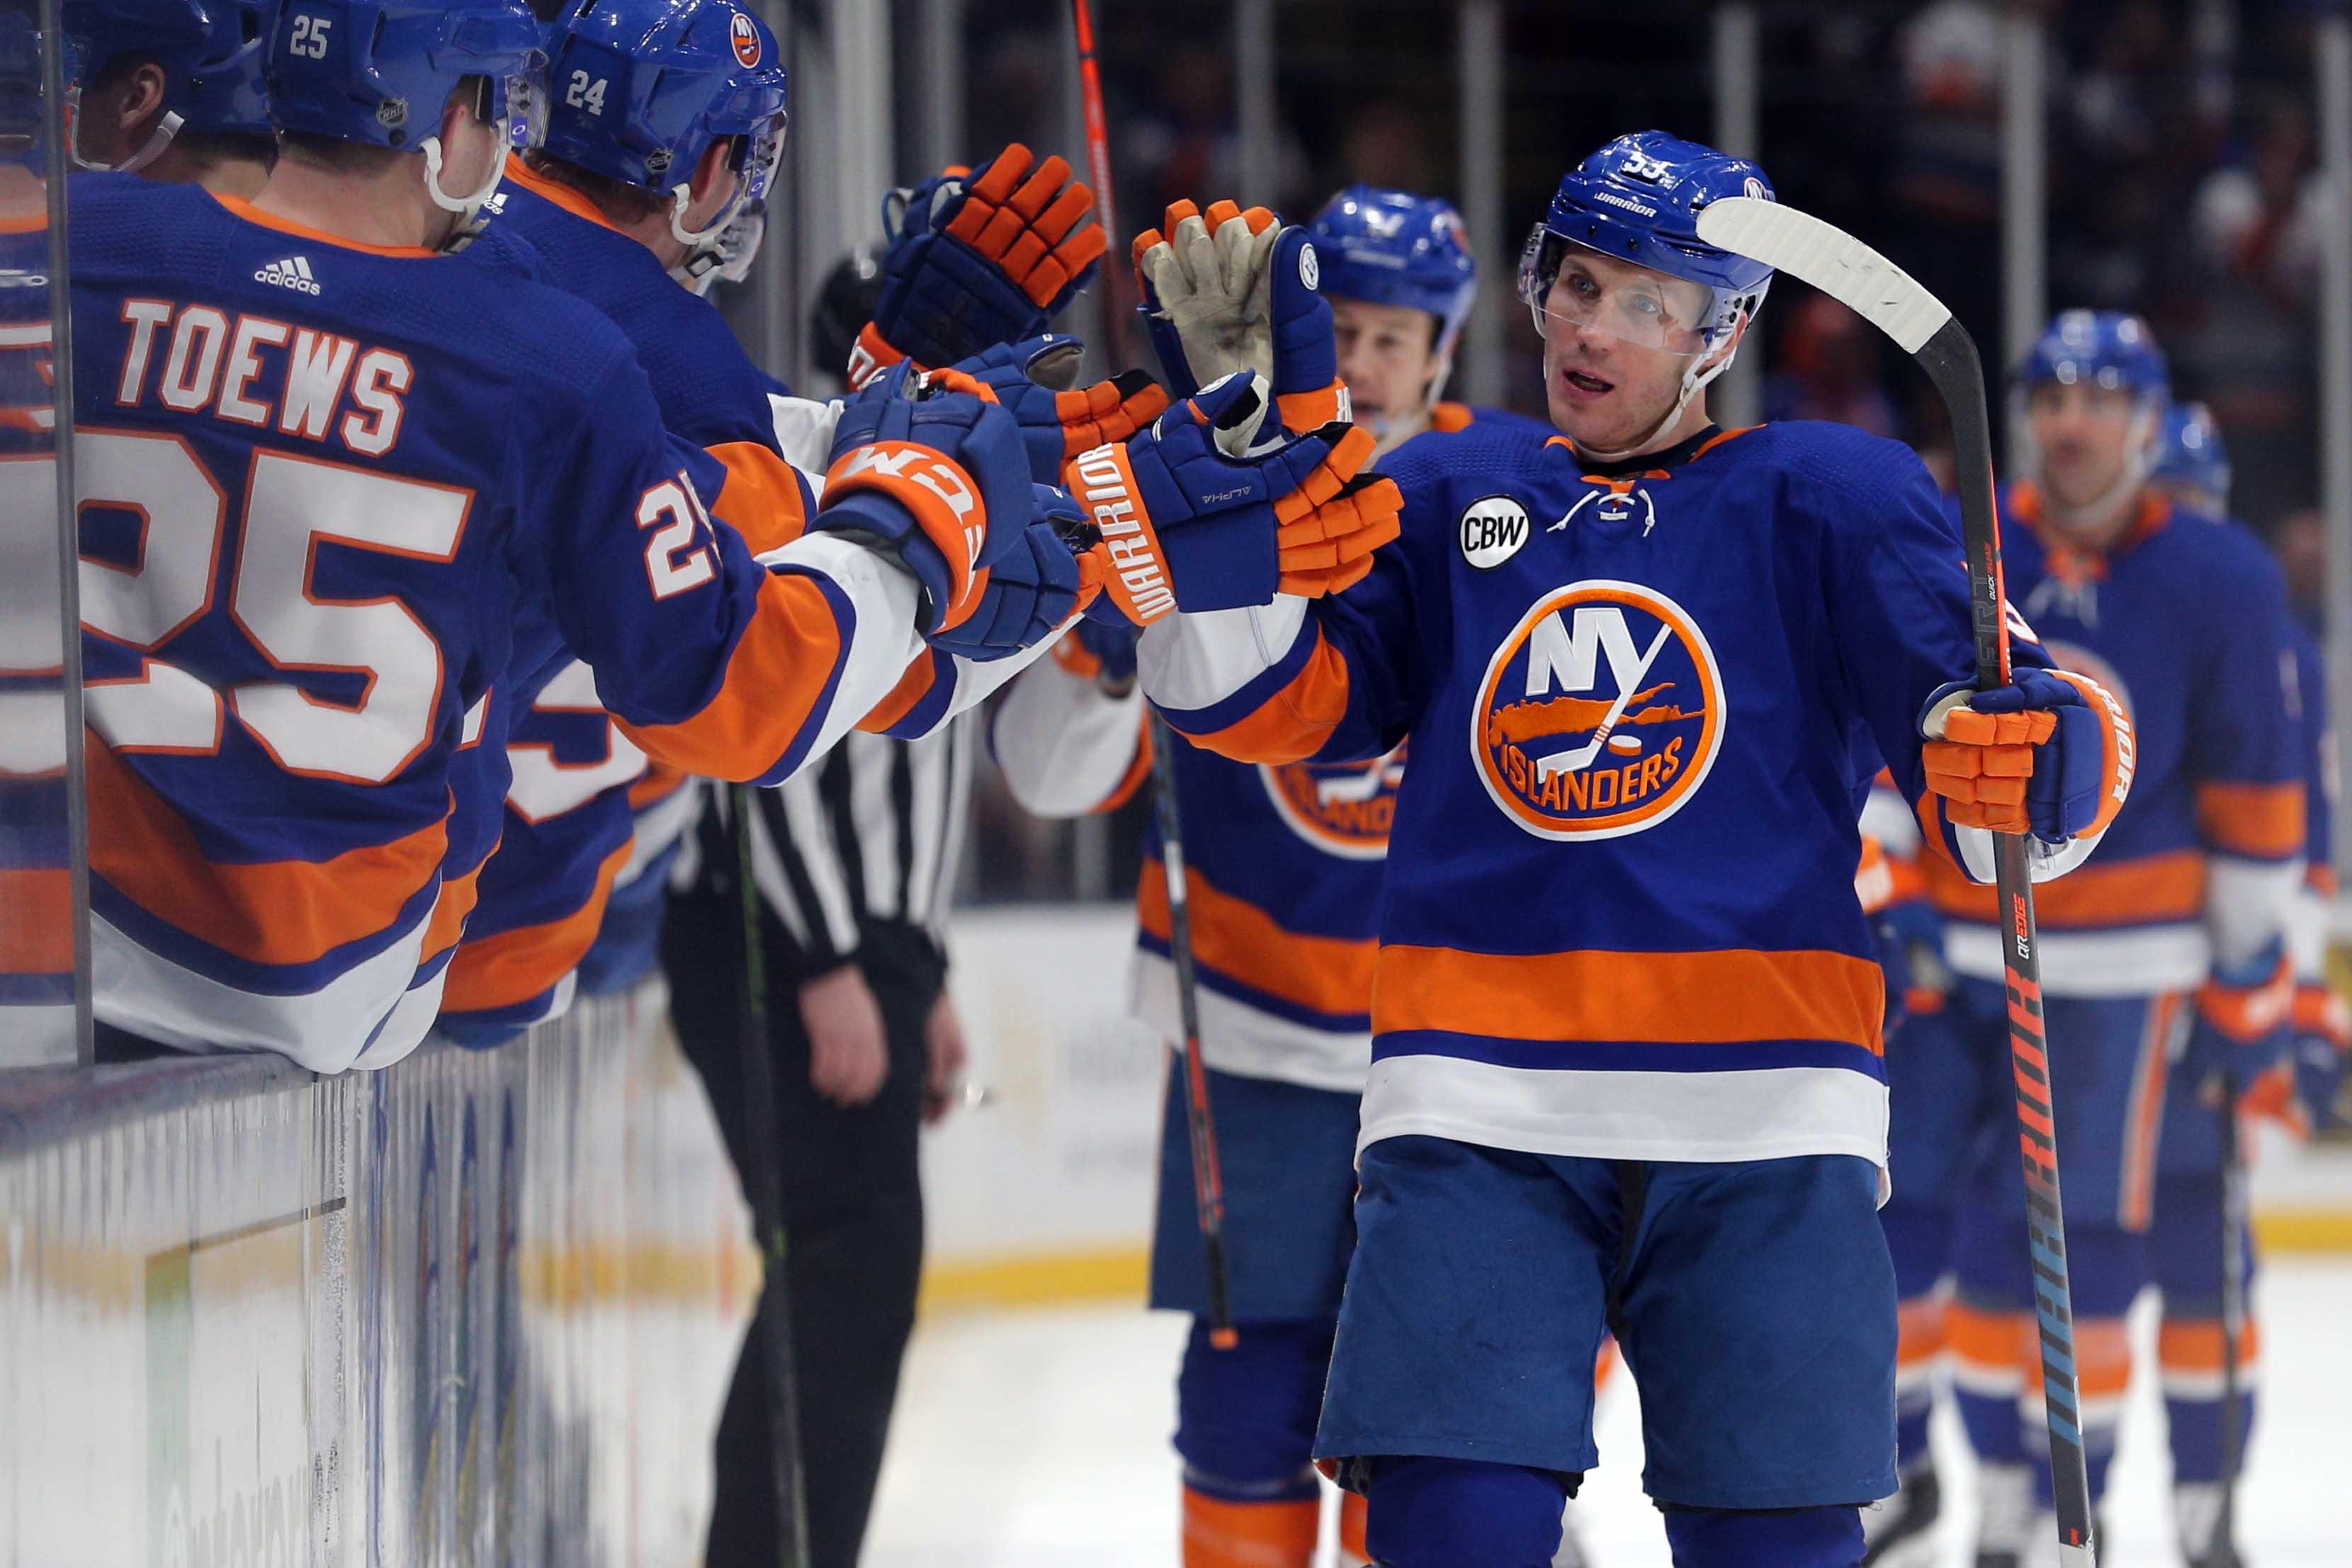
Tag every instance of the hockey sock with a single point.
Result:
(1353, 1552)
(1919, 1241)
(1990, 1346)
(1222, 1533)
(1443, 1513)
(1789, 1538)
(2192, 1390)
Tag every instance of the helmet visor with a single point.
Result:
(763, 155)
(1573, 288)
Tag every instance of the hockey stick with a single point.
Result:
(2234, 1325)
(1208, 1184)
(768, 1204)
(1889, 299)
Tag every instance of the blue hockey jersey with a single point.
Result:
(341, 506)
(1620, 915)
(2184, 619)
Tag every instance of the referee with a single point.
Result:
(853, 863)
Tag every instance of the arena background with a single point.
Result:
(478, 1308)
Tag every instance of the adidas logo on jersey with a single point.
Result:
(293, 273)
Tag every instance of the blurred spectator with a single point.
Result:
(1391, 143)
(2255, 227)
(1185, 143)
(1948, 154)
(1827, 367)
(2300, 543)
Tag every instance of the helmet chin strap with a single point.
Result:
(702, 246)
(166, 129)
(467, 208)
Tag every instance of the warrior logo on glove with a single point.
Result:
(1600, 714)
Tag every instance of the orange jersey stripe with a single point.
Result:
(2263, 820)
(515, 966)
(1234, 937)
(37, 938)
(1919, 1332)
(2128, 892)
(1989, 1341)
(1710, 998)
(1296, 721)
(780, 670)
(761, 498)
(271, 911)
(448, 926)
(659, 781)
(912, 687)
(1221, 1534)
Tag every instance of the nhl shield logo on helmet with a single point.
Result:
(1344, 808)
(1600, 713)
(746, 38)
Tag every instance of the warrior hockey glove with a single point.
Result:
(1058, 421)
(1185, 525)
(2050, 754)
(1030, 592)
(935, 477)
(2245, 1014)
(1226, 290)
(976, 258)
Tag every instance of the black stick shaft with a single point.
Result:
(1950, 359)
(768, 1204)
(1208, 1184)
(2233, 1316)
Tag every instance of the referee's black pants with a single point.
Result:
(854, 1223)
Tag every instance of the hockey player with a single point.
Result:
(172, 89)
(1283, 864)
(2186, 1239)
(665, 125)
(440, 478)
(1398, 271)
(1626, 1012)
(2166, 958)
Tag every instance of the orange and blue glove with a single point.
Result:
(2322, 1047)
(936, 476)
(2050, 754)
(979, 257)
(1230, 289)
(1036, 381)
(1200, 513)
(1030, 592)
(2246, 1017)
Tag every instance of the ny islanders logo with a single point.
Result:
(1343, 808)
(745, 37)
(1600, 714)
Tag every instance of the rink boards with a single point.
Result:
(478, 1308)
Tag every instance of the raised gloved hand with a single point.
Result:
(2244, 1016)
(1227, 290)
(2050, 754)
(1186, 524)
(1036, 381)
(1029, 592)
(934, 476)
(988, 256)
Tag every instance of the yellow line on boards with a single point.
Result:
(1112, 1273)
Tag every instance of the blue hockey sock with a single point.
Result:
(1443, 1513)
(1792, 1538)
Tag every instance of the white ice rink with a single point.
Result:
(1038, 1439)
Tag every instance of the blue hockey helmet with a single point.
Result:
(638, 89)
(378, 71)
(2191, 457)
(2108, 349)
(1392, 247)
(210, 51)
(1638, 200)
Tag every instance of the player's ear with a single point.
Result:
(142, 100)
(714, 172)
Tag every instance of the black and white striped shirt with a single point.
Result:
(873, 834)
